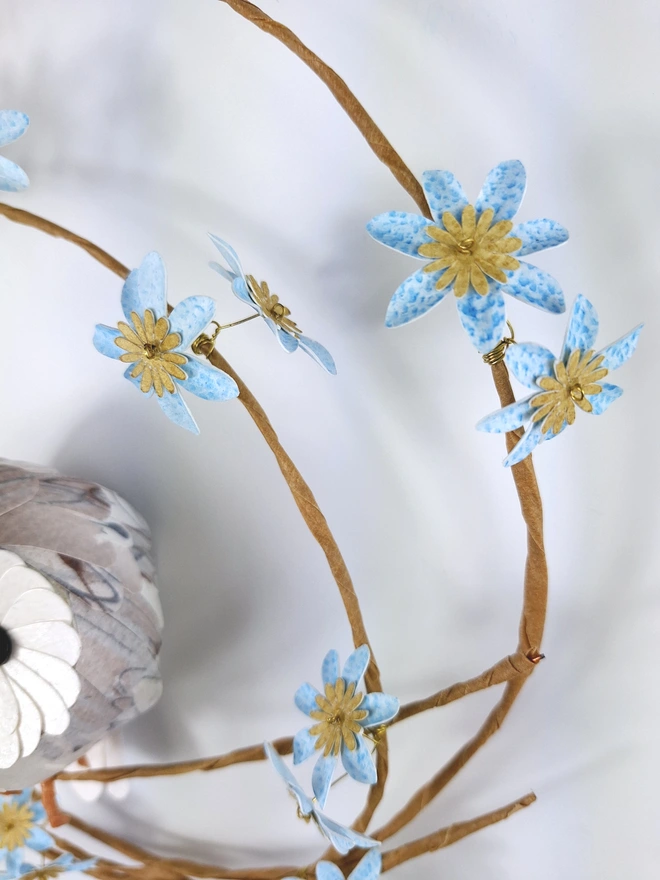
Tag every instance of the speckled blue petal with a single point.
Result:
(39, 839)
(529, 361)
(304, 745)
(507, 419)
(369, 867)
(413, 298)
(104, 341)
(618, 352)
(13, 124)
(190, 317)
(607, 396)
(529, 442)
(503, 190)
(37, 808)
(330, 667)
(328, 871)
(342, 838)
(443, 193)
(318, 353)
(381, 708)
(359, 763)
(538, 235)
(240, 289)
(322, 777)
(483, 318)
(230, 256)
(145, 288)
(12, 176)
(175, 409)
(582, 327)
(208, 382)
(292, 784)
(287, 340)
(305, 698)
(136, 382)
(13, 863)
(536, 288)
(356, 665)
(400, 231)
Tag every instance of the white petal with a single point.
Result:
(56, 672)
(9, 712)
(53, 711)
(10, 751)
(36, 606)
(9, 560)
(15, 582)
(55, 638)
(29, 730)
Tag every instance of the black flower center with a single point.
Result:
(6, 646)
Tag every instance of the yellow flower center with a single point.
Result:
(471, 251)
(15, 825)
(271, 307)
(572, 384)
(149, 345)
(45, 873)
(338, 716)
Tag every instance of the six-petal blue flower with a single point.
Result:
(559, 383)
(153, 344)
(12, 125)
(271, 310)
(476, 253)
(342, 714)
(61, 865)
(343, 839)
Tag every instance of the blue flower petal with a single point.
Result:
(208, 382)
(136, 382)
(582, 328)
(529, 361)
(529, 442)
(13, 863)
(304, 745)
(189, 317)
(328, 871)
(369, 867)
(356, 665)
(381, 708)
(503, 190)
(37, 808)
(342, 838)
(400, 231)
(13, 124)
(240, 289)
(413, 298)
(483, 317)
(535, 287)
(12, 176)
(175, 409)
(104, 341)
(294, 787)
(330, 667)
(305, 698)
(443, 193)
(39, 839)
(607, 396)
(230, 255)
(318, 353)
(618, 352)
(359, 763)
(538, 235)
(145, 288)
(322, 777)
(507, 419)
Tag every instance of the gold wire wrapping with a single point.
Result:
(496, 356)
(204, 343)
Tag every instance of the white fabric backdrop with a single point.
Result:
(155, 122)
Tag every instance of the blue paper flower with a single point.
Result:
(560, 384)
(342, 838)
(471, 251)
(62, 865)
(266, 304)
(342, 714)
(21, 821)
(153, 344)
(12, 125)
(368, 868)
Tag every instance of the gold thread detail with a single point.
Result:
(572, 384)
(496, 356)
(338, 716)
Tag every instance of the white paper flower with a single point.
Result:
(39, 649)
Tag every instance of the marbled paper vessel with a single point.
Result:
(80, 620)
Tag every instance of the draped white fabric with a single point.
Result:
(156, 122)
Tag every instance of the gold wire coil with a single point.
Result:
(496, 356)
(204, 343)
